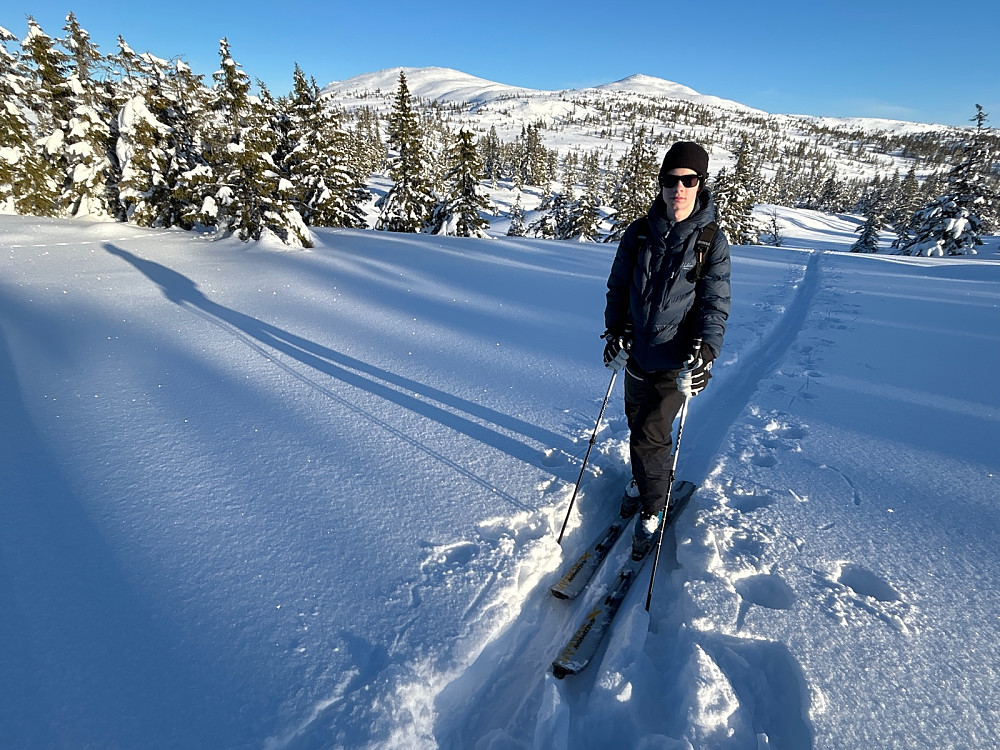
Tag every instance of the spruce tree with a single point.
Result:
(88, 143)
(735, 193)
(315, 157)
(150, 144)
(366, 142)
(143, 190)
(408, 205)
(461, 214)
(588, 207)
(46, 166)
(548, 222)
(188, 118)
(635, 184)
(868, 241)
(243, 193)
(492, 155)
(951, 224)
(18, 156)
(517, 226)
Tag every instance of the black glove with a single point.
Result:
(696, 373)
(616, 350)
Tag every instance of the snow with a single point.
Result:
(263, 498)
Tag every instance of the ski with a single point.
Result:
(583, 644)
(578, 575)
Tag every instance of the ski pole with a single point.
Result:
(670, 489)
(593, 439)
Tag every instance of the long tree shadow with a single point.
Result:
(88, 657)
(399, 390)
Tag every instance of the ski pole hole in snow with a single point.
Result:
(865, 583)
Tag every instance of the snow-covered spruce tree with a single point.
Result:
(908, 197)
(868, 241)
(564, 216)
(534, 166)
(587, 209)
(832, 198)
(46, 167)
(546, 225)
(989, 156)
(88, 144)
(188, 118)
(366, 142)
(408, 205)
(146, 145)
(735, 192)
(438, 140)
(243, 193)
(327, 190)
(492, 154)
(634, 184)
(517, 226)
(19, 158)
(461, 214)
(143, 191)
(951, 224)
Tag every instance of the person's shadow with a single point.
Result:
(449, 410)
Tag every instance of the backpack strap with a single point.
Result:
(643, 234)
(701, 246)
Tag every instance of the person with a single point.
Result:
(668, 302)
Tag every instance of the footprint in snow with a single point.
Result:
(854, 593)
(764, 460)
(748, 503)
(766, 590)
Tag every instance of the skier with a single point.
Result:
(667, 304)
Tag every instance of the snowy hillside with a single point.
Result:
(437, 84)
(263, 499)
(449, 86)
(604, 117)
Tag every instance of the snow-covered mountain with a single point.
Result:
(603, 118)
(449, 86)
(434, 84)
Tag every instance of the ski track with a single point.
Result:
(528, 707)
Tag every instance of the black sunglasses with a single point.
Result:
(670, 181)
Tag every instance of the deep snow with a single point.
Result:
(308, 499)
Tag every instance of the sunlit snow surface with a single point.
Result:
(308, 499)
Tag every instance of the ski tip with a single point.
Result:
(684, 488)
(559, 593)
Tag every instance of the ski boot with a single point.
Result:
(645, 531)
(630, 501)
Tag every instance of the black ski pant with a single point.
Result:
(652, 401)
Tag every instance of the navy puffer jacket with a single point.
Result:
(652, 286)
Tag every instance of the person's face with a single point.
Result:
(680, 199)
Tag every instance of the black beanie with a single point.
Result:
(685, 155)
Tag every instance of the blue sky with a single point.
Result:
(899, 59)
